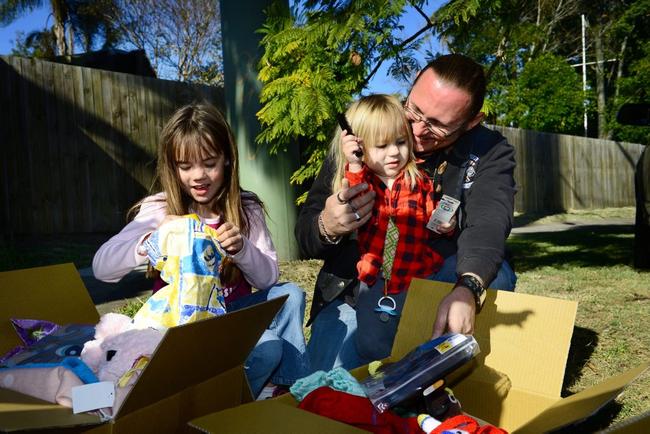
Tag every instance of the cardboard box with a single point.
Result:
(197, 368)
(516, 379)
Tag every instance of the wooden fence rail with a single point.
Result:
(79, 143)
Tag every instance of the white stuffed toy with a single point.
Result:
(119, 353)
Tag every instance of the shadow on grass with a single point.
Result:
(583, 343)
(528, 218)
(581, 246)
(35, 251)
(595, 423)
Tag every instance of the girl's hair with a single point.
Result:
(376, 119)
(195, 132)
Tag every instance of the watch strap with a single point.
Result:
(473, 284)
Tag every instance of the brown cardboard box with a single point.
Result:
(196, 370)
(515, 382)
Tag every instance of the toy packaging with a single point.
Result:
(188, 256)
(47, 365)
(396, 382)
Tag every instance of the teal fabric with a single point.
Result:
(338, 379)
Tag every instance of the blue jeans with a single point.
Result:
(280, 354)
(505, 279)
(332, 342)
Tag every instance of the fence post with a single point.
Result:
(266, 175)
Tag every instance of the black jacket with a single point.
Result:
(478, 169)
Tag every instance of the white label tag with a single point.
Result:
(443, 213)
(93, 396)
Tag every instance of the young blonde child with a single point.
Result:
(395, 244)
(198, 172)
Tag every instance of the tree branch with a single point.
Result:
(404, 43)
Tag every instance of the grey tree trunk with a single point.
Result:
(600, 85)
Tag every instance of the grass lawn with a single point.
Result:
(591, 265)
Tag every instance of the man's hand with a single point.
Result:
(456, 313)
(342, 209)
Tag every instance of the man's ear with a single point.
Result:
(476, 120)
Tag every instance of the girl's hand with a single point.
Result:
(168, 218)
(230, 238)
(445, 228)
(349, 146)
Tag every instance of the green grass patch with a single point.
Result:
(591, 265)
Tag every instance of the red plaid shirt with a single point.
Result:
(410, 210)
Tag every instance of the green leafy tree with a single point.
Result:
(546, 96)
(82, 20)
(633, 73)
(182, 38)
(12, 9)
(39, 44)
(507, 34)
(321, 54)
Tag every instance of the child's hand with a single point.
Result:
(229, 236)
(350, 146)
(445, 228)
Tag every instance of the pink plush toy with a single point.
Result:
(119, 353)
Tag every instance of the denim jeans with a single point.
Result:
(505, 279)
(280, 354)
(332, 342)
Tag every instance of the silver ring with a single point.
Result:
(357, 217)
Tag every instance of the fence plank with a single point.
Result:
(102, 128)
(558, 172)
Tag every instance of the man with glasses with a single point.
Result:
(468, 162)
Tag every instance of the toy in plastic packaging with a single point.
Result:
(396, 382)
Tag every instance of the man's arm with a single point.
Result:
(337, 213)
(488, 212)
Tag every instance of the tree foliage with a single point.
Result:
(76, 23)
(505, 36)
(321, 54)
(546, 96)
(182, 38)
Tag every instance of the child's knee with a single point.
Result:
(296, 299)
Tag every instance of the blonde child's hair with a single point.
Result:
(376, 119)
(196, 132)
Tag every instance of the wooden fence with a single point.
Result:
(558, 172)
(79, 148)
(79, 143)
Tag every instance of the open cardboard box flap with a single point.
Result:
(517, 378)
(187, 355)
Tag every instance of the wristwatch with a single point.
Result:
(474, 285)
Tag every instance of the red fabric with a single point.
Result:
(465, 424)
(410, 209)
(231, 293)
(357, 411)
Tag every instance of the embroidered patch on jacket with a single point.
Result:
(470, 171)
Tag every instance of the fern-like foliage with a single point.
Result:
(319, 56)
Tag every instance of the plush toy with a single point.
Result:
(119, 353)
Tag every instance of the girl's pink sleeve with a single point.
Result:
(118, 256)
(258, 259)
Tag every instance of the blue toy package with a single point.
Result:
(396, 382)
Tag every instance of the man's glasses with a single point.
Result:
(439, 133)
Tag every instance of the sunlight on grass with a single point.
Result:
(591, 265)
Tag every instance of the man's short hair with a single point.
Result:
(464, 73)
